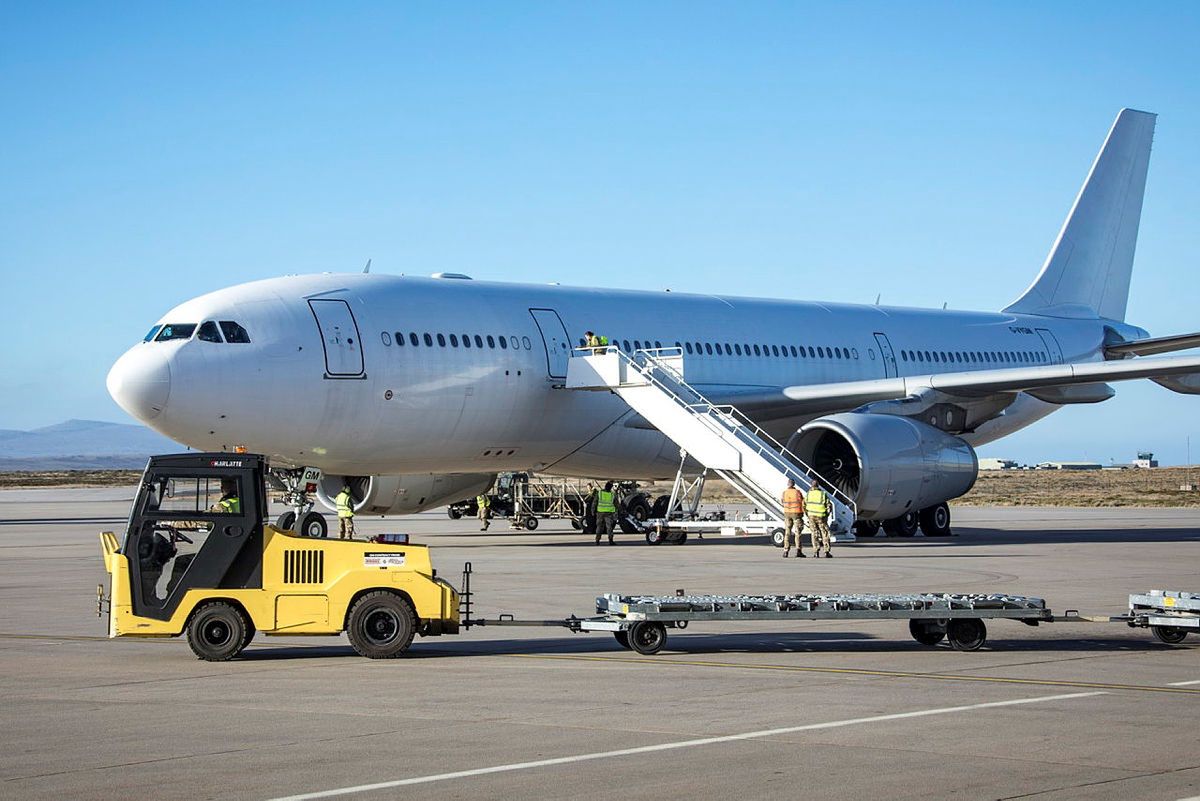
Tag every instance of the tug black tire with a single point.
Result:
(381, 625)
(217, 632)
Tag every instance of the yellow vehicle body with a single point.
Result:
(308, 587)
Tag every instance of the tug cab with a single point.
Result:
(198, 558)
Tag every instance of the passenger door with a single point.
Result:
(339, 337)
(889, 357)
(554, 338)
(1052, 348)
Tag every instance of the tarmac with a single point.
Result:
(810, 710)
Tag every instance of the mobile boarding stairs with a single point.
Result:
(719, 437)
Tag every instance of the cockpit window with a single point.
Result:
(208, 332)
(234, 332)
(153, 331)
(176, 331)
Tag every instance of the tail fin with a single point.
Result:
(1088, 269)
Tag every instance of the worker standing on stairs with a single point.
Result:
(793, 518)
(817, 506)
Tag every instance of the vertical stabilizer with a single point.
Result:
(1088, 269)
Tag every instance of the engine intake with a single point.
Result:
(397, 495)
(889, 465)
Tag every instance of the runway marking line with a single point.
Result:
(1183, 684)
(674, 746)
(1091, 685)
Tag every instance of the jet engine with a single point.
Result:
(889, 465)
(397, 495)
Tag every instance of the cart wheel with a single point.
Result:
(654, 537)
(680, 538)
(966, 633)
(217, 632)
(926, 632)
(622, 638)
(647, 637)
(531, 523)
(381, 625)
(777, 536)
(576, 523)
(454, 514)
(1169, 634)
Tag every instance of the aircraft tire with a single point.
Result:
(285, 521)
(935, 520)
(903, 526)
(314, 525)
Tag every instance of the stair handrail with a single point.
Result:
(787, 462)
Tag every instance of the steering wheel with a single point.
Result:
(176, 535)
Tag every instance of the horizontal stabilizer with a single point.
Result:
(1151, 347)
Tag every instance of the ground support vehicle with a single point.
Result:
(525, 499)
(1169, 614)
(198, 559)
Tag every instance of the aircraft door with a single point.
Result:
(889, 357)
(554, 337)
(339, 337)
(1052, 348)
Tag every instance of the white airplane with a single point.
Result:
(418, 390)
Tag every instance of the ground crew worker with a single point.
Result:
(345, 509)
(230, 503)
(485, 511)
(793, 518)
(596, 342)
(817, 506)
(606, 512)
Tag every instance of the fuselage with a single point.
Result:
(374, 374)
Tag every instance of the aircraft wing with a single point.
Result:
(819, 398)
(1151, 347)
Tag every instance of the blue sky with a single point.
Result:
(924, 152)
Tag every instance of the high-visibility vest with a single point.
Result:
(605, 503)
(483, 501)
(231, 506)
(817, 502)
(793, 501)
(345, 504)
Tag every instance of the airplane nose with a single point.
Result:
(140, 382)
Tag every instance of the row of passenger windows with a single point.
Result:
(452, 340)
(208, 332)
(974, 356)
(742, 349)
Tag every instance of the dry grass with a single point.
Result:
(69, 478)
(1158, 487)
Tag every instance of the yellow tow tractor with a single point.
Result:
(199, 559)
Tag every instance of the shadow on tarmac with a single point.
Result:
(715, 644)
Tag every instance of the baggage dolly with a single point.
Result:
(640, 622)
(1169, 614)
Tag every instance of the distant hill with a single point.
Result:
(81, 444)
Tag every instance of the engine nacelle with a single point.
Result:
(889, 465)
(398, 495)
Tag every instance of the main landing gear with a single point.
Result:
(933, 521)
